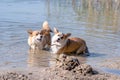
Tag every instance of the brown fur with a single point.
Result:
(73, 44)
(45, 31)
(47, 38)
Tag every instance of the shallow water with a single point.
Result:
(95, 21)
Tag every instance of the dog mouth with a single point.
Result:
(57, 41)
(39, 39)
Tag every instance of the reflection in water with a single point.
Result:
(96, 21)
(41, 58)
(38, 58)
(99, 12)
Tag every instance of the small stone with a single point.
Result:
(30, 73)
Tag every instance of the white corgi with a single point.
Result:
(39, 39)
(61, 43)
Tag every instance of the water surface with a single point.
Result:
(96, 21)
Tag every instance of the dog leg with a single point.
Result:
(81, 50)
(43, 47)
(33, 47)
(48, 46)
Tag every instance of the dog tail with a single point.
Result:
(46, 26)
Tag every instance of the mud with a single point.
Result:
(66, 68)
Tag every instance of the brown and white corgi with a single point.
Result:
(61, 43)
(39, 39)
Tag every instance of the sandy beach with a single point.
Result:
(95, 21)
(68, 68)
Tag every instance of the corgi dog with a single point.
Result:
(39, 39)
(62, 43)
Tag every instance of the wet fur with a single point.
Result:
(69, 45)
(42, 42)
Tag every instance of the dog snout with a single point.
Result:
(41, 37)
(58, 39)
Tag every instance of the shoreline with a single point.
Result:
(68, 68)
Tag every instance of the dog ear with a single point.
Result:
(55, 30)
(67, 35)
(29, 31)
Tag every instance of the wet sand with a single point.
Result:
(48, 74)
(97, 24)
(67, 69)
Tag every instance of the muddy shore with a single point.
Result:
(66, 68)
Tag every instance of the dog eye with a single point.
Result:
(36, 34)
(41, 33)
(61, 37)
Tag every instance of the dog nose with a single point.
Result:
(41, 36)
(58, 38)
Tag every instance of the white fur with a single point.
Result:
(36, 42)
(57, 45)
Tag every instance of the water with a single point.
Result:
(95, 21)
